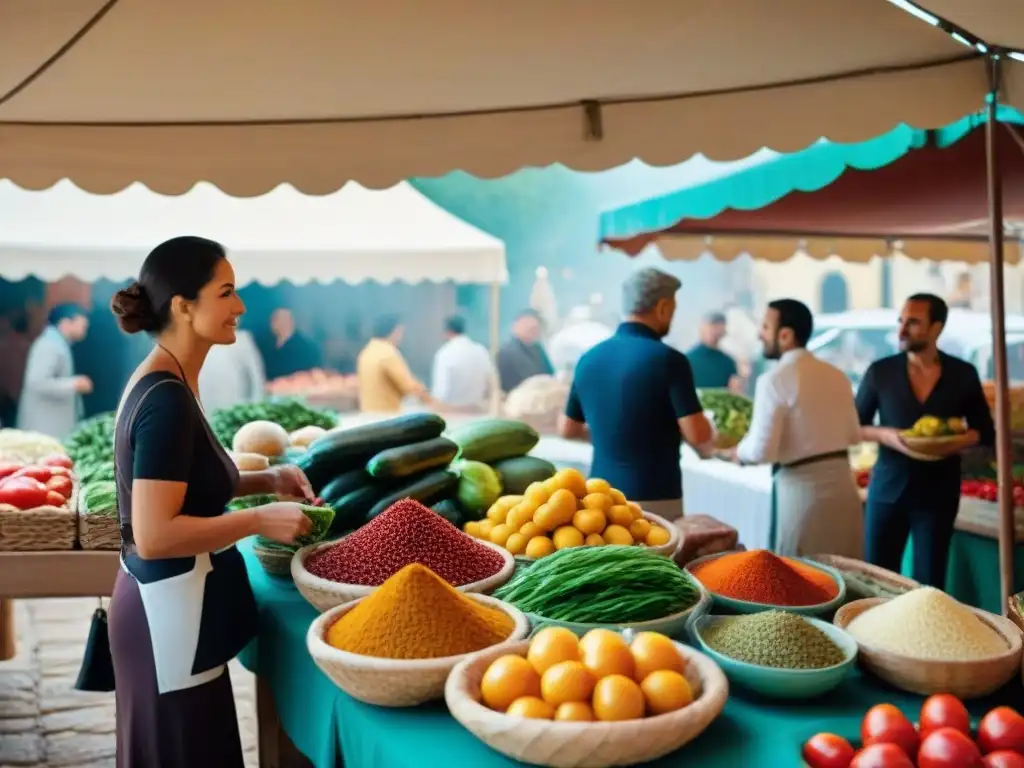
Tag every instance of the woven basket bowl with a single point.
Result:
(324, 595)
(848, 565)
(963, 679)
(40, 529)
(276, 562)
(585, 745)
(394, 682)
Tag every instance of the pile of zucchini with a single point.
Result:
(361, 471)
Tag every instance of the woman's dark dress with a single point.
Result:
(175, 623)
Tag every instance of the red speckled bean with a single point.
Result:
(406, 532)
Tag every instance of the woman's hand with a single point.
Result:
(282, 521)
(289, 481)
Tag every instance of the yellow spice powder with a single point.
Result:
(418, 615)
(927, 623)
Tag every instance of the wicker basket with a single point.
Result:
(97, 532)
(41, 529)
(324, 595)
(585, 745)
(276, 561)
(963, 679)
(395, 682)
(852, 569)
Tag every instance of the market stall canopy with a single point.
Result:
(352, 235)
(922, 192)
(997, 22)
(250, 93)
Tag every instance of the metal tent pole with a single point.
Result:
(1004, 447)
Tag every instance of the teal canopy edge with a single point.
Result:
(808, 170)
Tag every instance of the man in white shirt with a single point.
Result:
(804, 423)
(463, 376)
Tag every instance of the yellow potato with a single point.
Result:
(657, 536)
(500, 533)
(486, 526)
(590, 520)
(530, 530)
(639, 529)
(516, 543)
(537, 493)
(596, 500)
(566, 537)
(594, 540)
(509, 501)
(497, 513)
(539, 546)
(546, 518)
(519, 515)
(597, 485)
(551, 485)
(472, 528)
(620, 515)
(616, 534)
(572, 480)
(564, 505)
(617, 496)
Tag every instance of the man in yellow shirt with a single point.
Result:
(383, 375)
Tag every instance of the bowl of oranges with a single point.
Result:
(600, 700)
(568, 510)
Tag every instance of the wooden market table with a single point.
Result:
(69, 573)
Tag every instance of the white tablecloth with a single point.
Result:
(738, 496)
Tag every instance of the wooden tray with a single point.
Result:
(935, 448)
(853, 570)
(40, 529)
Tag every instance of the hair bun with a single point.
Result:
(133, 309)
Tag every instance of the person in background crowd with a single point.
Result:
(804, 424)
(384, 377)
(463, 374)
(232, 374)
(51, 396)
(633, 397)
(713, 368)
(523, 355)
(962, 296)
(292, 352)
(14, 347)
(182, 606)
(907, 496)
(580, 332)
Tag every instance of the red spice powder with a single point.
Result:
(759, 576)
(406, 532)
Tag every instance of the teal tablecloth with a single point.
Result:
(326, 725)
(972, 576)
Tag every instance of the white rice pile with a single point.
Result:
(927, 623)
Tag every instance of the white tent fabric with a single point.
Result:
(352, 235)
(250, 93)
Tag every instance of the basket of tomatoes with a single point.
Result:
(943, 737)
(37, 505)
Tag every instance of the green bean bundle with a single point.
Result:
(601, 585)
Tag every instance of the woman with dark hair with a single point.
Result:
(182, 605)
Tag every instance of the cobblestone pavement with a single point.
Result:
(44, 721)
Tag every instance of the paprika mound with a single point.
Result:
(417, 615)
(759, 576)
(406, 532)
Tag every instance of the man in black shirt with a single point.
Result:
(292, 352)
(523, 356)
(713, 368)
(909, 496)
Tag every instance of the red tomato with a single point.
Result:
(60, 484)
(42, 474)
(57, 460)
(1001, 729)
(881, 756)
(56, 499)
(60, 472)
(944, 711)
(1004, 758)
(948, 748)
(885, 724)
(23, 493)
(826, 750)
(8, 468)
(23, 482)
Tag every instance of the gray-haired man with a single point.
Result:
(634, 397)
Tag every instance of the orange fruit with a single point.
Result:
(564, 504)
(620, 515)
(519, 515)
(539, 546)
(652, 652)
(497, 512)
(574, 711)
(616, 534)
(551, 485)
(601, 501)
(546, 517)
(537, 493)
(566, 537)
(516, 543)
(572, 480)
(597, 485)
(657, 537)
(617, 496)
(472, 528)
(666, 691)
(531, 529)
(552, 645)
(638, 514)
(618, 697)
(589, 521)
(566, 681)
(605, 653)
(532, 707)
(638, 529)
(508, 678)
(486, 526)
(509, 501)
(500, 533)
(594, 540)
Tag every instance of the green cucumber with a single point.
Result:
(344, 484)
(344, 450)
(450, 510)
(518, 473)
(412, 459)
(491, 440)
(351, 510)
(423, 488)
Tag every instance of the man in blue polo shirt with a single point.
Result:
(633, 397)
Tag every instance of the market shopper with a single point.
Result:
(907, 496)
(523, 356)
(383, 375)
(182, 606)
(293, 351)
(804, 423)
(713, 368)
(463, 374)
(51, 396)
(633, 398)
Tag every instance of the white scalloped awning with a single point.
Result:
(247, 94)
(353, 235)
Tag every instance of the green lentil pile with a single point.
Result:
(773, 639)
